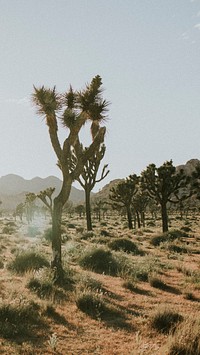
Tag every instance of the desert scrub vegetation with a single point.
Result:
(26, 261)
(168, 237)
(46, 290)
(87, 282)
(125, 245)
(165, 320)
(100, 260)
(186, 338)
(94, 305)
(18, 320)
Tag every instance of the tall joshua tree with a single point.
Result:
(164, 184)
(74, 109)
(88, 179)
(123, 195)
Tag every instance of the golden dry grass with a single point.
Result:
(76, 332)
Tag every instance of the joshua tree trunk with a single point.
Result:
(164, 217)
(88, 209)
(129, 216)
(138, 219)
(59, 202)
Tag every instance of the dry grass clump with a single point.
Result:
(165, 320)
(19, 320)
(46, 290)
(101, 261)
(95, 306)
(126, 245)
(168, 237)
(186, 339)
(26, 261)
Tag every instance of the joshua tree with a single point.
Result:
(164, 184)
(88, 179)
(74, 109)
(46, 197)
(80, 209)
(139, 203)
(123, 193)
(20, 210)
(30, 206)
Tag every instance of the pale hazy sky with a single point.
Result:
(148, 55)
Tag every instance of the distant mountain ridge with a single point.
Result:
(14, 187)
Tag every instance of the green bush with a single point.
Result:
(87, 282)
(19, 320)
(105, 233)
(93, 305)
(165, 320)
(168, 237)
(87, 235)
(71, 225)
(157, 282)
(27, 261)
(46, 289)
(177, 248)
(124, 244)
(100, 261)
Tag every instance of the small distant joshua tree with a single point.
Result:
(29, 206)
(163, 185)
(88, 179)
(122, 195)
(46, 197)
(74, 109)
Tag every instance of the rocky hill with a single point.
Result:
(13, 189)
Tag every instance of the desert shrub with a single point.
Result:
(87, 235)
(124, 244)
(1, 264)
(100, 261)
(133, 272)
(7, 230)
(93, 305)
(130, 285)
(19, 320)
(193, 277)
(186, 229)
(105, 233)
(48, 234)
(189, 296)
(186, 339)
(156, 282)
(168, 237)
(103, 224)
(100, 240)
(27, 261)
(87, 282)
(165, 320)
(151, 224)
(71, 225)
(177, 249)
(46, 289)
(146, 230)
